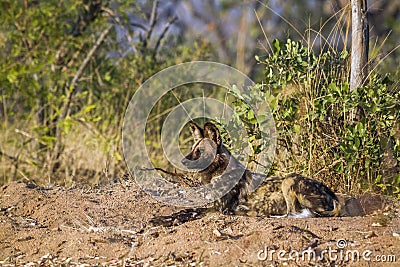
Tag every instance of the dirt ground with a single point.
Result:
(120, 225)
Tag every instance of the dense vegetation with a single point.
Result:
(318, 134)
(69, 69)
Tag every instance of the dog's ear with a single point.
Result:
(197, 132)
(212, 132)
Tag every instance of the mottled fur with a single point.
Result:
(304, 193)
(267, 200)
(288, 196)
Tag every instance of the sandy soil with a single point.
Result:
(118, 224)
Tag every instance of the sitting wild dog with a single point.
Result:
(294, 195)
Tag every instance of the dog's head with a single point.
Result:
(206, 149)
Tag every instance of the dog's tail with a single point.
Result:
(335, 211)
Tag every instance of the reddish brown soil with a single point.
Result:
(117, 224)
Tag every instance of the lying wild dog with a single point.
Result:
(294, 195)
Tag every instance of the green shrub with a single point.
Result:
(347, 138)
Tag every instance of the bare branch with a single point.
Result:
(89, 56)
(72, 88)
(119, 22)
(153, 20)
(170, 22)
(70, 93)
(88, 14)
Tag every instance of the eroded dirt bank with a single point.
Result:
(115, 225)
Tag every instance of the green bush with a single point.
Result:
(70, 71)
(347, 138)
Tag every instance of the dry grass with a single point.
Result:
(88, 157)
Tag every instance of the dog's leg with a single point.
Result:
(289, 195)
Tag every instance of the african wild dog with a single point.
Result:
(294, 195)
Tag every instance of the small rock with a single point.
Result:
(229, 230)
(47, 256)
(217, 233)
(396, 234)
(370, 234)
(216, 252)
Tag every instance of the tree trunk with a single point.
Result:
(359, 44)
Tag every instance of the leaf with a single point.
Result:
(344, 54)
(296, 128)
(276, 46)
(89, 108)
(117, 156)
(107, 76)
(12, 76)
